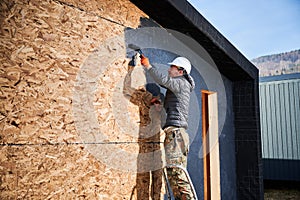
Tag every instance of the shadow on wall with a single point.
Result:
(150, 158)
(149, 179)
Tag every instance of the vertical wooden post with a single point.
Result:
(210, 144)
(205, 149)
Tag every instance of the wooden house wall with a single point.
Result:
(44, 45)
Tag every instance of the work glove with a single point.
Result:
(145, 61)
(155, 100)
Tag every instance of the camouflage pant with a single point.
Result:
(176, 149)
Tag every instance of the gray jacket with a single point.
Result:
(177, 97)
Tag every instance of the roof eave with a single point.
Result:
(181, 16)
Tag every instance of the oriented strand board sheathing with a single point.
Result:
(118, 11)
(59, 172)
(43, 46)
(119, 98)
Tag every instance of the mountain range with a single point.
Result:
(277, 64)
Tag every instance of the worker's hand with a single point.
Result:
(145, 61)
(157, 104)
(155, 100)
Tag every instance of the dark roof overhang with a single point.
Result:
(181, 16)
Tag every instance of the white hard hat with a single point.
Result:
(182, 62)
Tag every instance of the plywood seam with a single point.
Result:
(73, 143)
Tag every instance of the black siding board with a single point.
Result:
(280, 169)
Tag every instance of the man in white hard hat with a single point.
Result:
(179, 85)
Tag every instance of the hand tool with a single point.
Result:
(135, 48)
(139, 53)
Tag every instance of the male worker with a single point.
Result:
(179, 85)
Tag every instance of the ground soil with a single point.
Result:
(281, 190)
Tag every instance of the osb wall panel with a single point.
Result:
(117, 11)
(58, 172)
(43, 47)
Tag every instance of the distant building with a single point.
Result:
(280, 127)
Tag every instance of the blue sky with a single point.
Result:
(255, 27)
